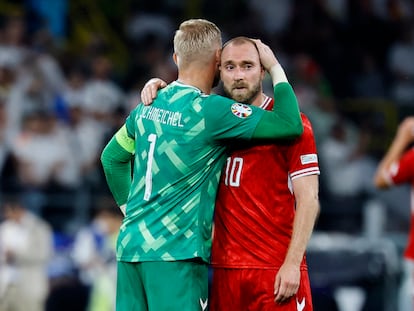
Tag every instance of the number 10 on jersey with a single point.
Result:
(233, 171)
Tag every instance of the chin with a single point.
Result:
(239, 97)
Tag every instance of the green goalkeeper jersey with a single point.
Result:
(179, 154)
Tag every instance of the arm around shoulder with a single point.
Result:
(284, 121)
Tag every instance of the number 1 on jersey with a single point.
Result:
(148, 175)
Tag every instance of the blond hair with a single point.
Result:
(196, 40)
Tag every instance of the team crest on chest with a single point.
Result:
(241, 110)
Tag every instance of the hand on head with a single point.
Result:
(267, 57)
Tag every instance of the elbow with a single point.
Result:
(296, 130)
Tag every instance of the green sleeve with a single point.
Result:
(116, 161)
(284, 121)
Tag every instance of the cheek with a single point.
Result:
(225, 77)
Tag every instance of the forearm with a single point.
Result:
(284, 121)
(305, 218)
(404, 137)
(278, 74)
(116, 163)
(306, 191)
(394, 153)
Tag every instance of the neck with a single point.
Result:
(258, 100)
(196, 80)
(202, 77)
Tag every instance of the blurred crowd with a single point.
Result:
(70, 71)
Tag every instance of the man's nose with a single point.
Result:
(238, 74)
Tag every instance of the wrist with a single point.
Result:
(278, 74)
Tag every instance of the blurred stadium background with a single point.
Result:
(70, 71)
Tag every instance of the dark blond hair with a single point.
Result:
(197, 39)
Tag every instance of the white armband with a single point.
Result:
(278, 74)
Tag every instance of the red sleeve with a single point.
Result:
(302, 154)
(403, 170)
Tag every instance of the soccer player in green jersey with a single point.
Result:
(178, 147)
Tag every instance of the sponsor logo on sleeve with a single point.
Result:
(309, 158)
(241, 110)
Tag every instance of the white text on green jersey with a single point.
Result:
(162, 116)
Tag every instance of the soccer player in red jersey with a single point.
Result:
(266, 206)
(396, 168)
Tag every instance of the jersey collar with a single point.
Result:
(179, 83)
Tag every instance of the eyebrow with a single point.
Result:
(244, 62)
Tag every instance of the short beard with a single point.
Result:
(248, 98)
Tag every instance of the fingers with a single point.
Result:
(267, 57)
(285, 293)
(281, 294)
(286, 286)
(149, 91)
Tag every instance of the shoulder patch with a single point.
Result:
(241, 110)
(309, 158)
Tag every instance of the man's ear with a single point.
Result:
(175, 58)
(218, 56)
(262, 72)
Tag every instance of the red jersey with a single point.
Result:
(402, 172)
(255, 206)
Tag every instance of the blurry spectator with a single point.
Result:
(4, 144)
(274, 15)
(348, 164)
(102, 94)
(401, 66)
(142, 25)
(337, 9)
(368, 32)
(165, 69)
(369, 82)
(395, 10)
(86, 140)
(397, 168)
(51, 73)
(323, 115)
(45, 160)
(85, 132)
(8, 91)
(309, 81)
(134, 93)
(94, 255)
(25, 250)
(13, 46)
(33, 89)
(74, 92)
(7, 77)
(348, 171)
